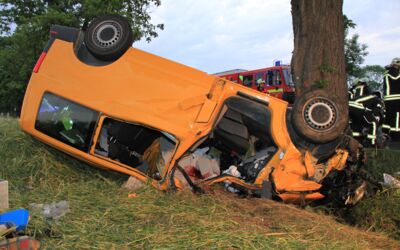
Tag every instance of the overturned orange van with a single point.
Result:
(94, 97)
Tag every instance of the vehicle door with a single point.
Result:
(274, 82)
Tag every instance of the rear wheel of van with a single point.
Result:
(108, 37)
(318, 118)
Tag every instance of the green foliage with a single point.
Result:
(327, 68)
(348, 24)
(42, 13)
(354, 51)
(382, 211)
(323, 83)
(374, 75)
(21, 46)
(324, 68)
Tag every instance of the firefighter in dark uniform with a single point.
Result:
(366, 111)
(359, 89)
(391, 97)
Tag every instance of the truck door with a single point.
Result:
(288, 86)
(274, 82)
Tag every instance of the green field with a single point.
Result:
(102, 216)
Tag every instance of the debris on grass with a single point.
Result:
(132, 195)
(381, 212)
(390, 181)
(20, 242)
(12, 231)
(3, 194)
(52, 211)
(133, 184)
(102, 215)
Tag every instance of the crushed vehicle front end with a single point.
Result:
(171, 125)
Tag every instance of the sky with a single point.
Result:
(215, 36)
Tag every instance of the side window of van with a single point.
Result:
(66, 121)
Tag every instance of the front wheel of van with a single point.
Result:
(318, 118)
(108, 37)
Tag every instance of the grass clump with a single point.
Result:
(380, 212)
(102, 216)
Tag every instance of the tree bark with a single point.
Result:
(318, 58)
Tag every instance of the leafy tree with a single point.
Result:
(78, 13)
(20, 47)
(17, 55)
(354, 51)
(374, 76)
(354, 55)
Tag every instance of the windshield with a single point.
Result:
(288, 77)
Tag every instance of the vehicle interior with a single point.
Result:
(239, 145)
(145, 149)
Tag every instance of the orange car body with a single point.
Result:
(163, 95)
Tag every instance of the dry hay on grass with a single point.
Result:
(305, 225)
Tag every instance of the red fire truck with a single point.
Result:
(276, 81)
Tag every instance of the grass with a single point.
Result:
(102, 216)
(381, 212)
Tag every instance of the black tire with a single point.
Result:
(108, 37)
(318, 118)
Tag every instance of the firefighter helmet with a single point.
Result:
(396, 61)
(358, 81)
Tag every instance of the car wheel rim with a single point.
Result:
(106, 34)
(320, 114)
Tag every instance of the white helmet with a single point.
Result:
(364, 80)
(360, 80)
(396, 61)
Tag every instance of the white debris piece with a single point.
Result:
(232, 170)
(133, 184)
(3, 195)
(390, 181)
(52, 211)
(207, 165)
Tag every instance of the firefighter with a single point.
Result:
(366, 111)
(359, 89)
(260, 84)
(391, 97)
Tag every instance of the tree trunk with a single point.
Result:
(318, 58)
